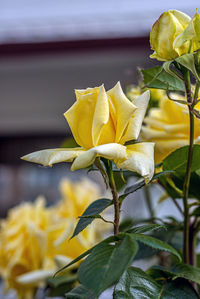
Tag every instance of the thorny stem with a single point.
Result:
(188, 170)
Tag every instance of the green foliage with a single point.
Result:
(95, 208)
(136, 284)
(177, 160)
(61, 284)
(102, 268)
(98, 271)
(157, 77)
(126, 224)
(87, 252)
(140, 184)
(167, 67)
(146, 228)
(156, 244)
(188, 272)
(80, 292)
(188, 61)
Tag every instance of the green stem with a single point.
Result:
(188, 171)
(115, 198)
(192, 243)
(148, 201)
(196, 93)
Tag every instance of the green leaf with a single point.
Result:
(126, 224)
(188, 61)
(170, 187)
(58, 286)
(146, 228)
(188, 272)
(87, 252)
(194, 184)
(177, 160)
(157, 77)
(156, 244)
(136, 284)
(179, 289)
(139, 184)
(57, 281)
(121, 177)
(159, 272)
(80, 292)
(145, 252)
(106, 264)
(94, 209)
(166, 66)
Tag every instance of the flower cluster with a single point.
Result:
(34, 240)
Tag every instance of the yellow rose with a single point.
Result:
(35, 240)
(171, 35)
(168, 126)
(101, 123)
(76, 197)
(23, 244)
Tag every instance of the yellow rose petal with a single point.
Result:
(101, 115)
(52, 156)
(80, 117)
(165, 147)
(124, 109)
(109, 151)
(140, 159)
(35, 277)
(135, 123)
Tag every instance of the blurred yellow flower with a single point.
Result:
(168, 126)
(23, 242)
(135, 90)
(35, 241)
(76, 197)
(172, 33)
(101, 123)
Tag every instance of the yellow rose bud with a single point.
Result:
(102, 122)
(164, 32)
(168, 126)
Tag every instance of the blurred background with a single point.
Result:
(47, 49)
